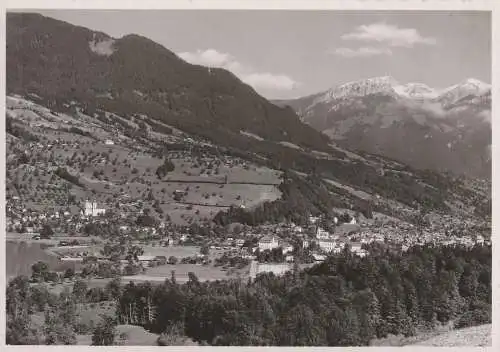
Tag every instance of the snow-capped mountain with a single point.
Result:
(377, 85)
(423, 126)
(417, 91)
(470, 87)
(387, 85)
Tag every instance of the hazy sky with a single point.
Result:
(286, 54)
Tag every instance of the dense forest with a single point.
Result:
(344, 301)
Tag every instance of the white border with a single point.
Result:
(364, 5)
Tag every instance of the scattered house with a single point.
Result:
(269, 243)
(30, 230)
(109, 142)
(289, 258)
(353, 221)
(240, 242)
(178, 194)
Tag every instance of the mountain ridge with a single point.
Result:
(390, 86)
(54, 59)
(379, 115)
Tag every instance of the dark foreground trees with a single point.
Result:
(344, 301)
(105, 332)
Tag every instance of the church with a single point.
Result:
(91, 209)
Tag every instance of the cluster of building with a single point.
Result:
(22, 219)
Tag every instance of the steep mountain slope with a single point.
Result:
(58, 62)
(446, 130)
(72, 89)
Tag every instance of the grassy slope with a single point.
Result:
(476, 336)
(131, 171)
(21, 256)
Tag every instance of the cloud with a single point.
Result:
(362, 52)
(389, 34)
(258, 80)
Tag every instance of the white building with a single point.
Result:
(327, 245)
(109, 142)
(91, 209)
(269, 243)
(480, 239)
(313, 219)
(322, 234)
(318, 257)
(361, 253)
(286, 248)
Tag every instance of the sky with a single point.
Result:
(285, 54)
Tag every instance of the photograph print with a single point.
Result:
(248, 178)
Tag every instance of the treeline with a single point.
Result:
(64, 174)
(345, 301)
(19, 132)
(301, 197)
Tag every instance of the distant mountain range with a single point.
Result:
(442, 129)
